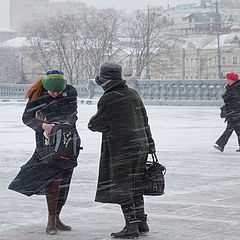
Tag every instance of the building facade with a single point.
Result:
(26, 11)
(199, 57)
(61, 8)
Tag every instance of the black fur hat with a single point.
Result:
(109, 73)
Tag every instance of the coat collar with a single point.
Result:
(116, 85)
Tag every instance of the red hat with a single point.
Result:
(232, 76)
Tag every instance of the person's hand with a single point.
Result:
(47, 128)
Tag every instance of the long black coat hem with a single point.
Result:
(34, 176)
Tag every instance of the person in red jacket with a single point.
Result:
(231, 110)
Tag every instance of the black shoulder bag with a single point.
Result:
(154, 182)
(62, 148)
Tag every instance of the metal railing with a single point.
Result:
(166, 92)
(182, 92)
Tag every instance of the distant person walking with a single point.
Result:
(126, 143)
(50, 100)
(230, 111)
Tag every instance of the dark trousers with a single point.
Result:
(223, 139)
(133, 211)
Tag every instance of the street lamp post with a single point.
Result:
(147, 47)
(218, 42)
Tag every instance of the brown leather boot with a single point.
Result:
(51, 225)
(52, 194)
(61, 226)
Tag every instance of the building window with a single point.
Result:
(205, 61)
(214, 61)
(186, 62)
(235, 61)
(191, 62)
(196, 62)
(177, 62)
(224, 61)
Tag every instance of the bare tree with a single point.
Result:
(57, 45)
(77, 44)
(98, 30)
(145, 29)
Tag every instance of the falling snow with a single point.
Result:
(202, 185)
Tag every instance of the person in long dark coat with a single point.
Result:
(126, 142)
(231, 110)
(50, 99)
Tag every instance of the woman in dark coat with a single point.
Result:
(50, 99)
(231, 110)
(126, 142)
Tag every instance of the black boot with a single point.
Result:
(129, 231)
(131, 228)
(220, 148)
(143, 226)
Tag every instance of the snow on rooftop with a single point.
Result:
(235, 28)
(224, 40)
(19, 42)
(4, 29)
(198, 41)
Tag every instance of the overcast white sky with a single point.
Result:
(119, 4)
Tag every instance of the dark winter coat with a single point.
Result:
(61, 108)
(126, 142)
(231, 99)
(34, 176)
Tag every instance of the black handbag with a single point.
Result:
(154, 182)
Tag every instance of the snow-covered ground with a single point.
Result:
(202, 200)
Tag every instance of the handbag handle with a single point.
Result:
(154, 157)
(155, 162)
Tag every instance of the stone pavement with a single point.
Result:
(202, 200)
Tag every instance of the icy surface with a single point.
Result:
(202, 200)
